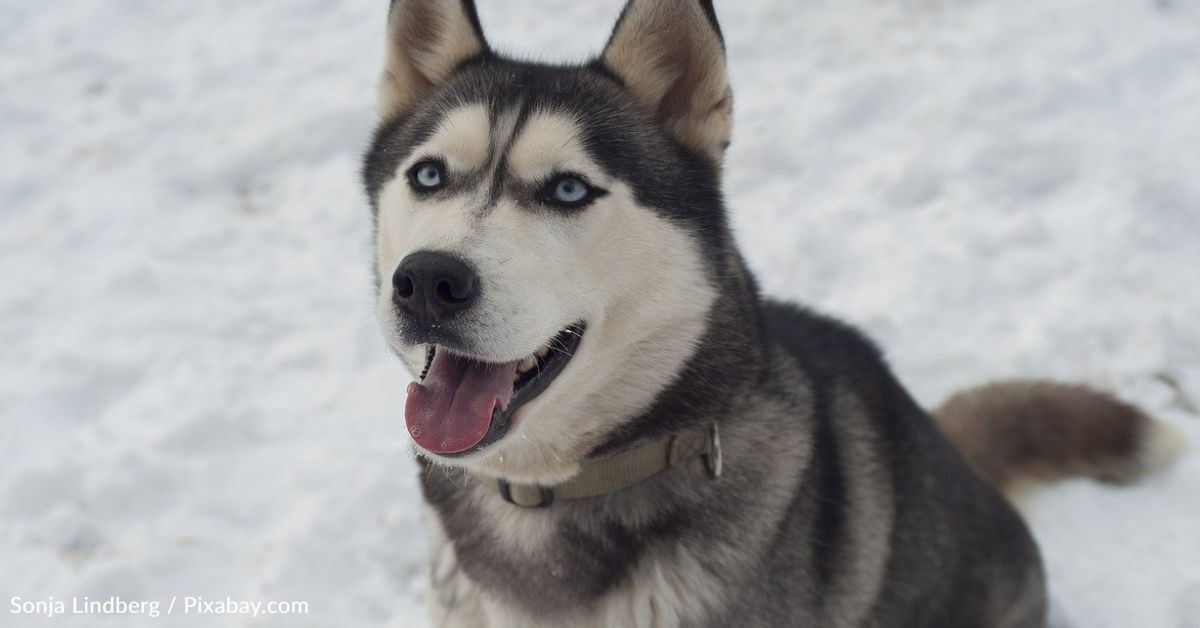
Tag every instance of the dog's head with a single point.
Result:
(550, 239)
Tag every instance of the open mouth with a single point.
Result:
(461, 404)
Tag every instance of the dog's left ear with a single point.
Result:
(426, 41)
(671, 57)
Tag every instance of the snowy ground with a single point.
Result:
(194, 400)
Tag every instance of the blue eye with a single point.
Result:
(426, 175)
(567, 191)
(571, 191)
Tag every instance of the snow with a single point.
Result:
(195, 401)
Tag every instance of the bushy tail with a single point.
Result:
(1018, 434)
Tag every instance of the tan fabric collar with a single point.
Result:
(623, 470)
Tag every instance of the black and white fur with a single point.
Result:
(841, 503)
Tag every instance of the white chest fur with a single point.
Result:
(663, 593)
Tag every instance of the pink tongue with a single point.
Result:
(451, 409)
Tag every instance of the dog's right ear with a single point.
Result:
(426, 41)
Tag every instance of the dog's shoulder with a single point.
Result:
(824, 346)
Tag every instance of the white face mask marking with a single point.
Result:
(636, 279)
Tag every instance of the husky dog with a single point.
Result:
(615, 428)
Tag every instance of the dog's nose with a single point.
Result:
(432, 287)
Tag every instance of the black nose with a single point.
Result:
(431, 287)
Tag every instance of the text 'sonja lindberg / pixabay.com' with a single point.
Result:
(50, 607)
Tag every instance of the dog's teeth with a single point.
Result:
(527, 363)
(543, 351)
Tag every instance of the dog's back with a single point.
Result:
(906, 534)
(956, 553)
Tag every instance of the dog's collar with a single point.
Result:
(623, 470)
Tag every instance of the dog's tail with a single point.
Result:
(1018, 434)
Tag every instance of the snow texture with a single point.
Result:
(194, 398)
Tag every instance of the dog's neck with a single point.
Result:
(727, 365)
(624, 469)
